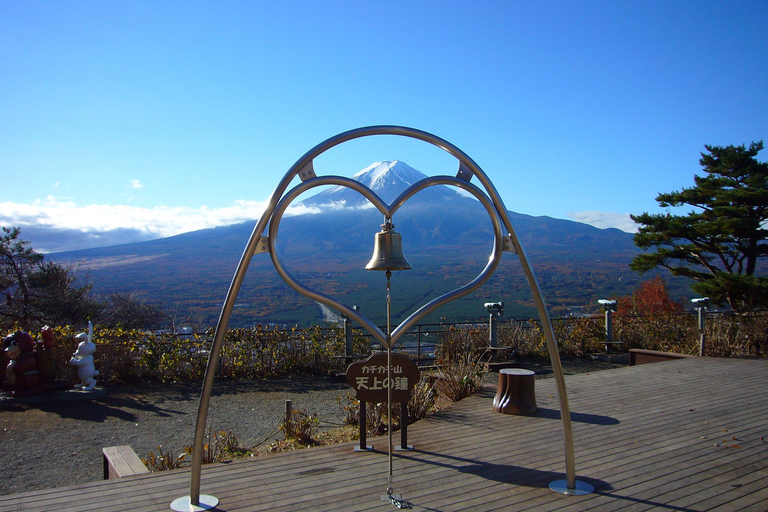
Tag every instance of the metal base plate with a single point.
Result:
(184, 504)
(581, 489)
(399, 448)
(366, 449)
(396, 500)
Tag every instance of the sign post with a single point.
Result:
(369, 380)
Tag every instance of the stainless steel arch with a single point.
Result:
(303, 168)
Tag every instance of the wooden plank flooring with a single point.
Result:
(685, 435)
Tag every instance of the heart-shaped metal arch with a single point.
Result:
(388, 211)
(303, 168)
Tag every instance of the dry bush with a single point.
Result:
(301, 427)
(375, 415)
(736, 335)
(423, 399)
(462, 376)
(162, 460)
(462, 369)
(218, 447)
(585, 335)
(667, 333)
(455, 342)
(129, 356)
(526, 338)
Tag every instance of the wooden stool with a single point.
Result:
(516, 392)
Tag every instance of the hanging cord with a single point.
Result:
(394, 499)
(389, 382)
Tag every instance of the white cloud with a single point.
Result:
(136, 184)
(53, 224)
(605, 220)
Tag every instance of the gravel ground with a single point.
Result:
(54, 444)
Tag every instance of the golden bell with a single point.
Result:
(388, 251)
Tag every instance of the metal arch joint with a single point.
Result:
(307, 172)
(507, 245)
(464, 173)
(262, 245)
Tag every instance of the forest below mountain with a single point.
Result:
(189, 274)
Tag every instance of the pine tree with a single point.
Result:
(721, 242)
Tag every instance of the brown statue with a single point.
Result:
(22, 375)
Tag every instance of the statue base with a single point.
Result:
(60, 395)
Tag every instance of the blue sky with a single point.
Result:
(128, 120)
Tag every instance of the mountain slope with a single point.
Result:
(447, 238)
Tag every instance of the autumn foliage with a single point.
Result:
(650, 298)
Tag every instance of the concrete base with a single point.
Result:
(65, 395)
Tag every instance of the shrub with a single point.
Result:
(461, 377)
(129, 356)
(423, 399)
(162, 460)
(375, 415)
(526, 338)
(218, 447)
(301, 427)
(457, 341)
(461, 367)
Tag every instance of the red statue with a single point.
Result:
(45, 356)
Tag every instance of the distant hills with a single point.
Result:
(447, 239)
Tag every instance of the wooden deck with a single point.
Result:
(686, 435)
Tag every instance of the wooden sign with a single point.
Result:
(369, 378)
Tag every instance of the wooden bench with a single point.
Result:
(611, 345)
(121, 461)
(641, 356)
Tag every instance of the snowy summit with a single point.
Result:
(388, 179)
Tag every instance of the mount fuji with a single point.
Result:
(387, 180)
(447, 238)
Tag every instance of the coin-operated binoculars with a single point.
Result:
(610, 307)
(495, 309)
(702, 304)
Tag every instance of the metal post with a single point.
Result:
(610, 307)
(493, 330)
(495, 310)
(288, 417)
(363, 430)
(418, 345)
(701, 304)
(702, 329)
(403, 428)
(348, 351)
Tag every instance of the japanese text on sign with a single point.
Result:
(372, 378)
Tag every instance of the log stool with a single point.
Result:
(516, 392)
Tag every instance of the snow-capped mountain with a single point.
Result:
(388, 176)
(388, 179)
(446, 237)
